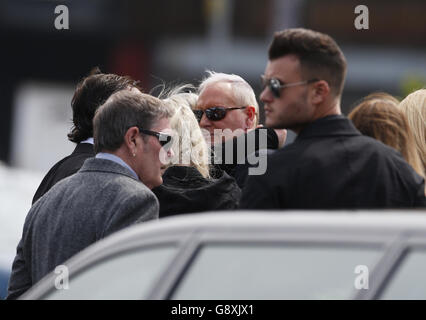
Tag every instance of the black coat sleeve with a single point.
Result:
(257, 194)
(420, 198)
(238, 168)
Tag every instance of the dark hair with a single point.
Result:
(89, 95)
(125, 109)
(320, 56)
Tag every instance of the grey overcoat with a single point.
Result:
(101, 198)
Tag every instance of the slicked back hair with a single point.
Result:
(319, 55)
(89, 95)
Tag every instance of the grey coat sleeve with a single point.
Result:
(20, 279)
(137, 209)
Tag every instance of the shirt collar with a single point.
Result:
(88, 140)
(333, 125)
(116, 159)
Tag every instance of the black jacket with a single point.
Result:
(332, 166)
(185, 190)
(239, 166)
(64, 168)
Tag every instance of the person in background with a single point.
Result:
(90, 94)
(110, 191)
(228, 111)
(226, 101)
(379, 117)
(330, 165)
(187, 185)
(414, 107)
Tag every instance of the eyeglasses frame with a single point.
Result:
(283, 85)
(159, 135)
(221, 107)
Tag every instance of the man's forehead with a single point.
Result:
(288, 65)
(217, 92)
(221, 87)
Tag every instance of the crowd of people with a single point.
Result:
(199, 149)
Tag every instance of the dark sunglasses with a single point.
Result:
(163, 138)
(276, 85)
(214, 113)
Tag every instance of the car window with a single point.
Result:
(274, 272)
(408, 282)
(126, 276)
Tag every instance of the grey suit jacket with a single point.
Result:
(101, 198)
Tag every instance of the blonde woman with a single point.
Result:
(414, 107)
(379, 117)
(187, 185)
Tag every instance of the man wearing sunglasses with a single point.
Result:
(226, 106)
(228, 113)
(330, 165)
(109, 192)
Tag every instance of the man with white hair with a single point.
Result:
(227, 108)
(226, 101)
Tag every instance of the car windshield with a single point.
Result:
(408, 280)
(129, 276)
(275, 272)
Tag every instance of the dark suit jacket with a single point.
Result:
(64, 168)
(332, 166)
(101, 198)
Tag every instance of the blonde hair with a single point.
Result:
(190, 142)
(414, 107)
(242, 91)
(379, 117)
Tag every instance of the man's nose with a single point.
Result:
(265, 95)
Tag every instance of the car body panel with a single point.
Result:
(391, 231)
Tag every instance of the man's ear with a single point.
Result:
(251, 116)
(130, 139)
(320, 91)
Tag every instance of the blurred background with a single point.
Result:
(166, 41)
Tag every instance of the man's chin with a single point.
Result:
(269, 123)
(159, 182)
(225, 137)
(152, 184)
